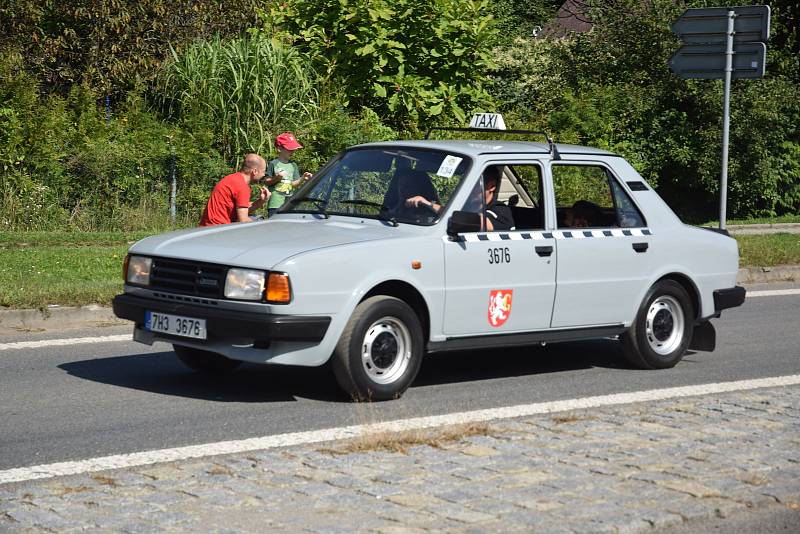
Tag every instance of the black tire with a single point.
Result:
(663, 328)
(204, 361)
(380, 351)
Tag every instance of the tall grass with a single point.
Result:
(246, 90)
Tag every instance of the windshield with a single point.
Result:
(384, 183)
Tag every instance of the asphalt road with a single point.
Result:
(82, 401)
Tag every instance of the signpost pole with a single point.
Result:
(726, 117)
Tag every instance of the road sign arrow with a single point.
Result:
(709, 25)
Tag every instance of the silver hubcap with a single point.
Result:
(665, 325)
(386, 350)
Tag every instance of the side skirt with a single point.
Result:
(524, 338)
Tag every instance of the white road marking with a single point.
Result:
(773, 292)
(63, 342)
(136, 459)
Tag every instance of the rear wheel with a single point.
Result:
(204, 361)
(663, 328)
(380, 351)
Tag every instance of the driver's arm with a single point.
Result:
(419, 200)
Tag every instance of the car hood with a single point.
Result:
(262, 244)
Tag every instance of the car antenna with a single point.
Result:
(553, 149)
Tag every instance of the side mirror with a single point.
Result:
(463, 221)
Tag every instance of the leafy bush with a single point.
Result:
(336, 129)
(520, 19)
(409, 60)
(528, 80)
(244, 90)
(111, 45)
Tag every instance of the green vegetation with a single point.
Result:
(67, 268)
(409, 60)
(769, 250)
(241, 90)
(33, 277)
(783, 219)
(111, 45)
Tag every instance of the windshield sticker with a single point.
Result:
(499, 306)
(448, 166)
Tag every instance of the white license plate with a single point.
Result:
(177, 325)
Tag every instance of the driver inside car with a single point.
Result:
(496, 215)
(409, 194)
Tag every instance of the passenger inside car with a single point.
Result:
(582, 214)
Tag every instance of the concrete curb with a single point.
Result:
(752, 229)
(778, 273)
(53, 317)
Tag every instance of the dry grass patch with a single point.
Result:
(106, 481)
(66, 490)
(571, 418)
(754, 479)
(220, 470)
(400, 442)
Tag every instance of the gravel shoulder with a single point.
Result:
(629, 468)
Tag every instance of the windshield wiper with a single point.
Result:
(382, 209)
(319, 203)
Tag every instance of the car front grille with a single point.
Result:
(188, 277)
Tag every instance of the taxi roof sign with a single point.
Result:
(487, 121)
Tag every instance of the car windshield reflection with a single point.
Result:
(401, 185)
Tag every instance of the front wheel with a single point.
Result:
(380, 351)
(204, 361)
(663, 328)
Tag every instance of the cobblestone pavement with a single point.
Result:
(629, 468)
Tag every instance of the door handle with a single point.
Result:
(640, 247)
(544, 251)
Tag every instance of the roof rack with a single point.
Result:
(553, 149)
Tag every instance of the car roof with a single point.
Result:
(482, 147)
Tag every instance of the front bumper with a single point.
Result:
(227, 324)
(728, 298)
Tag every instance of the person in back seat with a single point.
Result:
(582, 214)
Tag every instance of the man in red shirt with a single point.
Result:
(230, 200)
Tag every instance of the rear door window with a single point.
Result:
(589, 196)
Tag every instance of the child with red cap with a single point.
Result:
(283, 173)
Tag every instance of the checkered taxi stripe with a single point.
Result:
(557, 234)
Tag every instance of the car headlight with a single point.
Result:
(244, 284)
(138, 270)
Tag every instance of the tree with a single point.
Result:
(409, 60)
(110, 45)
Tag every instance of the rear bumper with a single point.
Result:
(728, 298)
(222, 324)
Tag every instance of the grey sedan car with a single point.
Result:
(388, 256)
